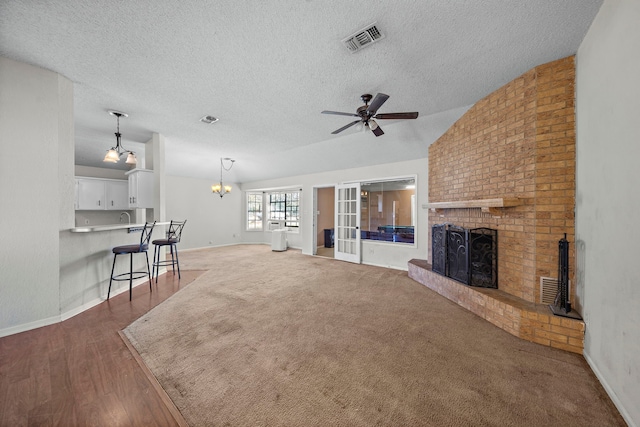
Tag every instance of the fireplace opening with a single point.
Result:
(469, 256)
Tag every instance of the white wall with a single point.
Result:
(608, 201)
(375, 253)
(211, 220)
(36, 190)
(99, 172)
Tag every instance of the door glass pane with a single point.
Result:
(347, 223)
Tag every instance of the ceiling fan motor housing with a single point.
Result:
(362, 112)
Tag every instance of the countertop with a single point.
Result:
(129, 227)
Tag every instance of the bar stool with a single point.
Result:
(173, 238)
(145, 236)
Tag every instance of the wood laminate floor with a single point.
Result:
(80, 372)
(325, 252)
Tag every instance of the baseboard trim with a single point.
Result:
(392, 267)
(86, 306)
(24, 327)
(614, 398)
(237, 244)
(29, 326)
(221, 246)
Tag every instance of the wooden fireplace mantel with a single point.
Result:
(492, 206)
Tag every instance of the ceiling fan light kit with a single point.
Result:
(368, 112)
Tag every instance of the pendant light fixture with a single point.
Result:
(220, 188)
(114, 154)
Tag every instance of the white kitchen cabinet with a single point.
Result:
(101, 194)
(90, 194)
(117, 195)
(140, 188)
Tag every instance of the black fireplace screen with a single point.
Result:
(458, 254)
(439, 249)
(469, 256)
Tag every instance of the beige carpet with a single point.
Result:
(282, 339)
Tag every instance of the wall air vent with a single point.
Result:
(363, 38)
(549, 289)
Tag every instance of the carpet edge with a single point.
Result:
(164, 397)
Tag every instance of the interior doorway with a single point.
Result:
(325, 218)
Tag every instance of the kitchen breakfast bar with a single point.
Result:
(85, 265)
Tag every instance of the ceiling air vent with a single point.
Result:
(208, 119)
(363, 38)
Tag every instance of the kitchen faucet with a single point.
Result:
(128, 216)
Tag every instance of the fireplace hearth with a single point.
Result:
(469, 256)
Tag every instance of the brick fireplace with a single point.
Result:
(509, 164)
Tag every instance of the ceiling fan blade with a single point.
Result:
(377, 131)
(377, 102)
(397, 116)
(339, 113)
(345, 127)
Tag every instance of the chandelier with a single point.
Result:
(113, 155)
(220, 188)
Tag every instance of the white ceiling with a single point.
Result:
(268, 68)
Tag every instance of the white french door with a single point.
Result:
(347, 223)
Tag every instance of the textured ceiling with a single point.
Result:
(268, 68)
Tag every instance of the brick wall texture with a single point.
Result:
(519, 141)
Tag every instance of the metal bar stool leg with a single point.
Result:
(173, 262)
(130, 275)
(156, 262)
(149, 272)
(111, 280)
(153, 264)
(177, 262)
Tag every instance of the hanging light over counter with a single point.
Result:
(113, 155)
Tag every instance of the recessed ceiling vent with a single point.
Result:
(363, 38)
(208, 119)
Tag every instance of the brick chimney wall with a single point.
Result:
(519, 141)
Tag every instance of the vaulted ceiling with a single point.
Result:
(268, 68)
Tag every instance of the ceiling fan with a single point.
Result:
(368, 112)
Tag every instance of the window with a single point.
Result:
(254, 211)
(285, 206)
(388, 210)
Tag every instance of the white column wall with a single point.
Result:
(608, 201)
(211, 220)
(36, 191)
